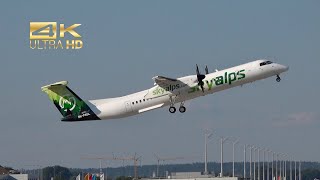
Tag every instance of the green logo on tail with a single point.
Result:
(70, 105)
(67, 102)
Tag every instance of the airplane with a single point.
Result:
(165, 92)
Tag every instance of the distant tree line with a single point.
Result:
(310, 170)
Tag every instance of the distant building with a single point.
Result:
(186, 175)
(18, 177)
(201, 178)
(192, 176)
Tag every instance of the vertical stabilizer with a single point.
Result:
(70, 105)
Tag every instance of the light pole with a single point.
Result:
(299, 170)
(264, 159)
(259, 163)
(254, 163)
(244, 161)
(283, 160)
(105, 172)
(290, 168)
(280, 161)
(207, 135)
(250, 161)
(205, 154)
(276, 178)
(268, 164)
(222, 140)
(295, 170)
(272, 171)
(285, 167)
(236, 141)
(100, 168)
(158, 164)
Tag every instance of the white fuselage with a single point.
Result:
(184, 89)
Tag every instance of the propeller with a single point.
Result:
(200, 77)
(206, 69)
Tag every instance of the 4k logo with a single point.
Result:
(47, 35)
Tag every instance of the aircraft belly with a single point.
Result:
(151, 108)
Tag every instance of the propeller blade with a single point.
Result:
(200, 77)
(198, 72)
(207, 71)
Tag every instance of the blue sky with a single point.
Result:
(126, 43)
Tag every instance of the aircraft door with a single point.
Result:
(128, 106)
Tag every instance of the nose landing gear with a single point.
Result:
(278, 78)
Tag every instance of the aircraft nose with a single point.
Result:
(283, 68)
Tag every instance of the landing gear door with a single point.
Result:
(128, 106)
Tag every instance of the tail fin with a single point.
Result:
(70, 105)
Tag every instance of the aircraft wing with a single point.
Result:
(164, 81)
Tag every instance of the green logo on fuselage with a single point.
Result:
(160, 90)
(227, 78)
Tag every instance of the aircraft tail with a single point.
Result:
(70, 105)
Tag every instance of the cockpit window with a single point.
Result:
(265, 63)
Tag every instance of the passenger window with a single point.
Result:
(136, 102)
(132, 102)
(140, 100)
(144, 100)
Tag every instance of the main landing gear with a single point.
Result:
(278, 78)
(182, 109)
(172, 109)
